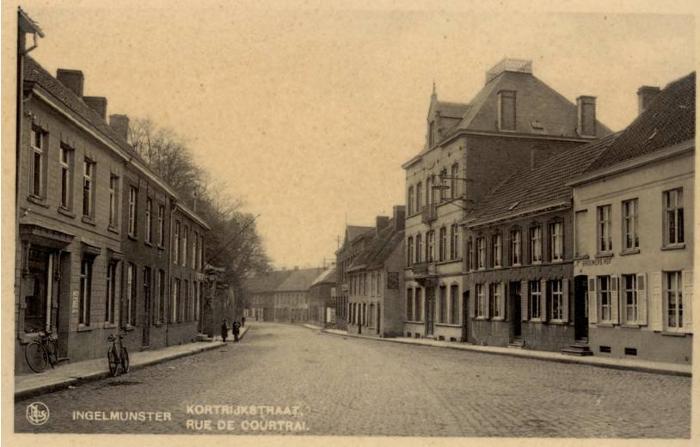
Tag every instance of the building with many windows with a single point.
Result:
(634, 232)
(321, 305)
(292, 296)
(514, 121)
(259, 293)
(353, 243)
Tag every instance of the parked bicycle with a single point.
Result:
(41, 352)
(117, 356)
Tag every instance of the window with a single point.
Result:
(481, 253)
(409, 251)
(410, 200)
(443, 304)
(604, 229)
(674, 300)
(418, 309)
(88, 187)
(175, 300)
(111, 286)
(556, 241)
(535, 299)
(605, 298)
(443, 244)
(443, 187)
(430, 246)
(454, 174)
(161, 225)
(38, 147)
(113, 200)
(419, 194)
(495, 300)
(147, 290)
(66, 162)
(85, 291)
(673, 217)
(130, 294)
(496, 250)
(630, 223)
(454, 304)
(536, 244)
(480, 301)
(160, 288)
(556, 300)
(629, 289)
(149, 221)
(454, 237)
(195, 248)
(506, 110)
(470, 255)
(409, 305)
(133, 195)
(176, 243)
(429, 191)
(185, 308)
(515, 247)
(185, 235)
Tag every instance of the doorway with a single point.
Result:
(516, 310)
(581, 308)
(465, 316)
(37, 285)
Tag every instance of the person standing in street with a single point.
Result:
(224, 330)
(242, 321)
(235, 329)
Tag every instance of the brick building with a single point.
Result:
(259, 293)
(353, 242)
(321, 307)
(514, 121)
(292, 295)
(375, 278)
(634, 232)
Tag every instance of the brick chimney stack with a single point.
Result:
(120, 124)
(399, 217)
(98, 104)
(73, 79)
(645, 96)
(382, 222)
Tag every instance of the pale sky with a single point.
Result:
(308, 115)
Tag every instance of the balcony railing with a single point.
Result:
(423, 269)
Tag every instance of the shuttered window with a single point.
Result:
(604, 299)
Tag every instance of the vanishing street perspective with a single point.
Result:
(533, 276)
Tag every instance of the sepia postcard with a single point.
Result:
(348, 223)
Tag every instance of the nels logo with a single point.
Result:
(37, 413)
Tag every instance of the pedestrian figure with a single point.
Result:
(224, 330)
(242, 321)
(235, 328)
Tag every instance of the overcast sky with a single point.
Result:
(308, 115)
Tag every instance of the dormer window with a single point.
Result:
(506, 110)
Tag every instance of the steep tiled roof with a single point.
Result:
(299, 280)
(668, 120)
(327, 277)
(353, 231)
(379, 248)
(267, 282)
(530, 189)
(451, 109)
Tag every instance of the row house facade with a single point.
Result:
(513, 122)
(292, 296)
(259, 293)
(321, 307)
(375, 278)
(81, 272)
(353, 243)
(634, 232)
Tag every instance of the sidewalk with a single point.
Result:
(604, 362)
(76, 373)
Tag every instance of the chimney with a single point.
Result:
(399, 217)
(382, 222)
(73, 79)
(98, 104)
(585, 108)
(645, 96)
(120, 124)
(512, 65)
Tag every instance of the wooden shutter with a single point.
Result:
(502, 302)
(592, 300)
(565, 299)
(687, 301)
(614, 299)
(543, 300)
(655, 313)
(642, 287)
(524, 311)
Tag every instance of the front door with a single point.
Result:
(379, 318)
(36, 286)
(429, 311)
(515, 301)
(581, 307)
(146, 338)
(465, 316)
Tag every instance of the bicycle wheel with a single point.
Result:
(36, 356)
(125, 360)
(113, 361)
(51, 351)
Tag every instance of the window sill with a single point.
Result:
(536, 263)
(536, 320)
(481, 318)
(581, 257)
(108, 325)
(673, 333)
(449, 325)
(631, 325)
(558, 322)
(498, 319)
(112, 229)
(128, 328)
(448, 261)
(414, 322)
(84, 328)
(673, 247)
(150, 244)
(161, 247)
(605, 324)
(88, 220)
(607, 254)
(37, 200)
(132, 237)
(557, 261)
(66, 212)
(631, 251)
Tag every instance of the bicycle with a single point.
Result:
(41, 352)
(118, 358)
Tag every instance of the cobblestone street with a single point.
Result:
(347, 386)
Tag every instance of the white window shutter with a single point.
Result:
(642, 287)
(502, 302)
(524, 311)
(565, 298)
(655, 312)
(688, 301)
(592, 300)
(543, 300)
(614, 299)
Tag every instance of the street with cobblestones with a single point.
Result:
(347, 386)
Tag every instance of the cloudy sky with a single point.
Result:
(307, 114)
